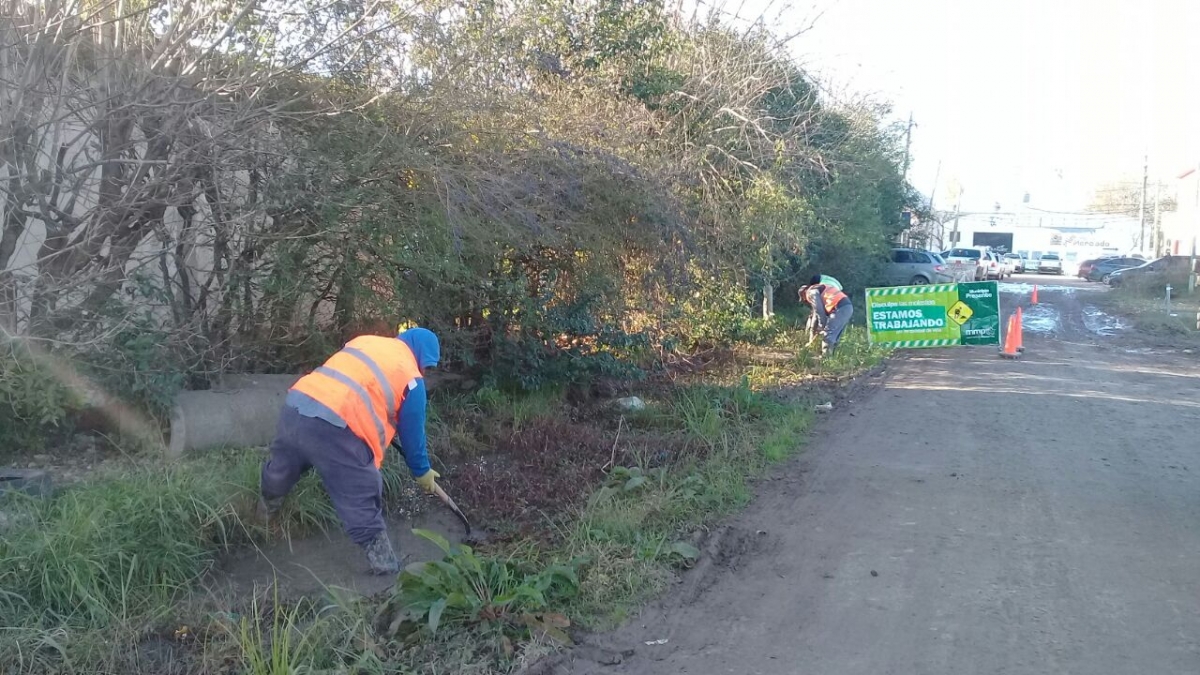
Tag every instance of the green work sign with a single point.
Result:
(937, 315)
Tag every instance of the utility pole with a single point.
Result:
(933, 193)
(1192, 267)
(907, 144)
(957, 211)
(1142, 207)
(1157, 238)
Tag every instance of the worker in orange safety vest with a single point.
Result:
(832, 309)
(810, 326)
(340, 419)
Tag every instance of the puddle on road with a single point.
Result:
(1027, 289)
(1157, 350)
(1101, 323)
(1040, 319)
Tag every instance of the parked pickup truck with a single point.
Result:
(1050, 263)
(967, 263)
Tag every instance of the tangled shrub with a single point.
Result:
(34, 405)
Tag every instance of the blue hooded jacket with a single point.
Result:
(411, 420)
(424, 345)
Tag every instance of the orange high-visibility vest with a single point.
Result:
(831, 298)
(364, 384)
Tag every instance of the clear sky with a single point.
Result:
(1050, 97)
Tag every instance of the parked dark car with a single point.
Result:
(1085, 267)
(1101, 269)
(1172, 269)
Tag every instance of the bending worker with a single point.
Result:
(340, 418)
(833, 311)
(810, 326)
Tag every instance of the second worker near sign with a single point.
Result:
(832, 310)
(811, 330)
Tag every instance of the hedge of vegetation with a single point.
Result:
(559, 188)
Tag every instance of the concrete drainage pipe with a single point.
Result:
(240, 411)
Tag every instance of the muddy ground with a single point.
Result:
(308, 565)
(513, 493)
(971, 515)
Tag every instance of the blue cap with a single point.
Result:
(424, 345)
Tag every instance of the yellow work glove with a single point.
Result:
(426, 480)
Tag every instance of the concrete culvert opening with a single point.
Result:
(240, 411)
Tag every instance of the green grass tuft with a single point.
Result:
(634, 530)
(104, 552)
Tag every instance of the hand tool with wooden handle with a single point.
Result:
(437, 490)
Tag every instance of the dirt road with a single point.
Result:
(971, 515)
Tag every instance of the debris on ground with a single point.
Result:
(630, 403)
(33, 482)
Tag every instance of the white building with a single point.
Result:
(1032, 232)
(1181, 228)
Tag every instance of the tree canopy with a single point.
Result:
(539, 180)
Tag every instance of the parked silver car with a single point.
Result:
(911, 267)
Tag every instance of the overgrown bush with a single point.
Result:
(558, 188)
(35, 406)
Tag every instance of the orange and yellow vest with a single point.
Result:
(364, 384)
(831, 297)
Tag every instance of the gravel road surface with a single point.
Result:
(968, 515)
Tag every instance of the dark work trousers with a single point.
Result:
(837, 323)
(342, 460)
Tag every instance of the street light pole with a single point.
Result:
(907, 144)
(1192, 267)
(1156, 237)
(957, 211)
(1142, 206)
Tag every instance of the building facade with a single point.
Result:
(1073, 236)
(1181, 228)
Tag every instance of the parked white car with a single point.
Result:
(1050, 263)
(969, 262)
(994, 266)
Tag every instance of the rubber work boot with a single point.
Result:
(267, 510)
(381, 555)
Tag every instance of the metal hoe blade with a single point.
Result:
(437, 490)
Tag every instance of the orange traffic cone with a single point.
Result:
(1010, 339)
(1020, 332)
(1034, 301)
